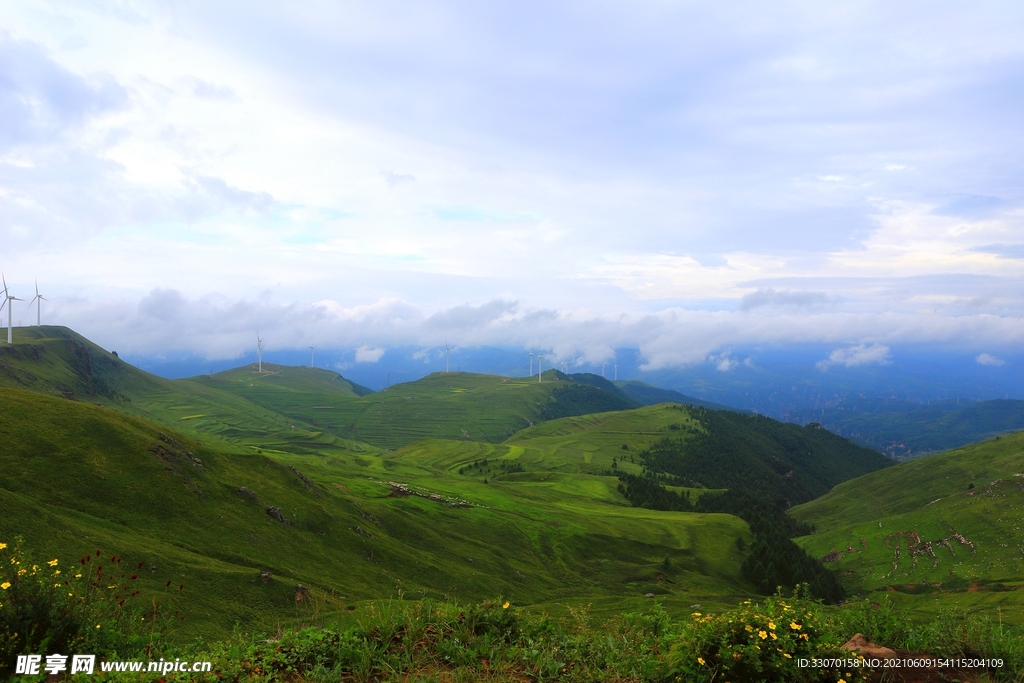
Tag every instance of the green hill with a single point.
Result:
(949, 525)
(773, 460)
(464, 406)
(79, 476)
(298, 409)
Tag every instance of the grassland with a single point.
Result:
(80, 476)
(456, 487)
(944, 529)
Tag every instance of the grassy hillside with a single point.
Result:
(298, 409)
(59, 362)
(770, 459)
(79, 477)
(949, 525)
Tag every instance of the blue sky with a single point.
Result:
(676, 177)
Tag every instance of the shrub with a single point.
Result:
(48, 607)
(760, 642)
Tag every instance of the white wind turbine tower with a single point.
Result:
(311, 349)
(603, 363)
(38, 300)
(540, 371)
(531, 363)
(10, 310)
(259, 353)
(447, 355)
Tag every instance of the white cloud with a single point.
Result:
(215, 167)
(988, 359)
(852, 356)
(367, 354)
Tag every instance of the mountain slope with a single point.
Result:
(78, 477)
(936, 523)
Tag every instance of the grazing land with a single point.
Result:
(294, 497)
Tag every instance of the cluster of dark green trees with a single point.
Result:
(766, 467)
(485, 465)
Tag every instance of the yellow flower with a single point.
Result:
(2, 546)
(56, 572)
(52, 563)
(804, 636)
(795, 626)
(762, 634)
(5, 585)
(747, 627)
(787, 655)
(774, 637)
(97, 625)
(695, 614)
(22, 572)
(505, 606)
(700, 660)
(771, 625)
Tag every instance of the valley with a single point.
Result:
(268, 496)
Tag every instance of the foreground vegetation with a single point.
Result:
(397, 640)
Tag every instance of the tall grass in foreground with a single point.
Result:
(493, 641)
(87, 606)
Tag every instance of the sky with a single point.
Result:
(680, 178)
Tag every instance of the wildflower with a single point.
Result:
(5, 585)
(795, 626)
(52, 563)
(774, 637)
(762, 634)
(97, 625)
(747, 627)
(56, 572)
(700, 660)
(803, 636)
(771, 625)
(696, 614)
(505, 606)
(787, 655)
(2, 546)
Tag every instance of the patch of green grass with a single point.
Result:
(947, 527)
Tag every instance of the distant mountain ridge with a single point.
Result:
(905, 430)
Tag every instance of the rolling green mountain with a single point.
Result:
(948, 524)
(460, 519)
(457, 405)
(297, 409)
(909, 430)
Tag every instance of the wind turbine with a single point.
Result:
(259, 352)
(447, 354)
(10, 310)
(38, 300)
(531, 363)
(311, 348)
(540, 372)
(616, 372)
(603, 363)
